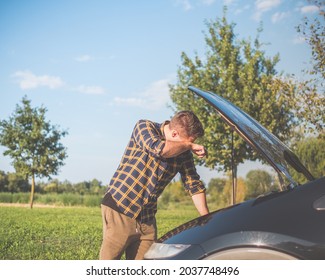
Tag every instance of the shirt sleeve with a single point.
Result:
(189, 175)
(148, 137)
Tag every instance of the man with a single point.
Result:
(155, 154)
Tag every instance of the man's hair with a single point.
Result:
(188, 122)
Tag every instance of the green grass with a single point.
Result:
(70, 233)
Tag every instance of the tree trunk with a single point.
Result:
(32, 192)
(234, 185)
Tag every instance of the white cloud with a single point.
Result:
(87, 58)
(83, 58)
(28, 80)
(297, 40)
(130, 101)
(309, 9)
(95, 90)
(262, 6)
(279, 16)
(152, 98)
(266, 5)
(242, 9)
(207, 2)
(228, 2)
(185, 4)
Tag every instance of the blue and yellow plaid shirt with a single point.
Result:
(143, 174)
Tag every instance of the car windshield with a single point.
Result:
(258, 137)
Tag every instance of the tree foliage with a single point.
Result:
(310, 150)
(174, 193)
(258, 182)
(32, 143)
(13, 182)
(219, 191)
(216, 186)
(311, 95)
(313, 32)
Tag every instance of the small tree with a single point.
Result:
(311, 152)
(33, 143)
(3, 181)
(258, 182)
(174, 193)
(17, 183)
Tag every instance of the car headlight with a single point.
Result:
(160, 250)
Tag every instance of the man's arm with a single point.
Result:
(200, 203)
(175, 148)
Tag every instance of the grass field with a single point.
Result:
(66, 233)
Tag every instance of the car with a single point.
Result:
(281, 225)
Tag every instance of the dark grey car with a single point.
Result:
(288, 224)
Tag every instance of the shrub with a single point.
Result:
(6, 197)
(92, 200)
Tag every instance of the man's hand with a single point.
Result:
(199, 150)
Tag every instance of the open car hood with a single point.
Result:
(258, 137)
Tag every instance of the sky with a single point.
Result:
(98, 66)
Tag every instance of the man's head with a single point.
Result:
(186, 125)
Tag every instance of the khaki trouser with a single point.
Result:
(123, 234)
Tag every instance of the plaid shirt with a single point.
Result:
(143, 174)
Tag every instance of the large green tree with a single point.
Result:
(32, 143)
(240, 71)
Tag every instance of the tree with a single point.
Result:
(313, 31)
(311, 95)
(215, 187)
(174, 193)
(82, 187)
(258, 182)
(13, 182)
(219, 191)
(215, 193)
(52, 186)
(310, 151)
(32, 143)
(228, 191)
(3, 181)
(17, 183)
(240, 72)
(96, 187)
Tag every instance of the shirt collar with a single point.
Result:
(162, 129)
